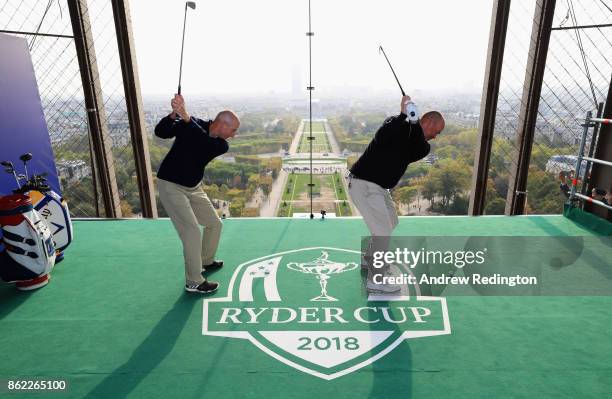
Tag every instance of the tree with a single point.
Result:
(250, 212)
(234, 193)
(543, 193)
(279, 127)
(495, 201)
(265, 183)
(236, 206)
(405, 194)
(253, 179)
(459, 206)
(80, 198)
(496, 206)
(126, 209)
(428, 189)
(500, 157)
(212, 191)
(236, 181)
(448, 179)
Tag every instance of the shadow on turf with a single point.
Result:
(151, 352)
(11, 298)
(391, 374)
(596, 262)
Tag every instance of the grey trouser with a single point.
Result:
(189, 208)
(378, 210)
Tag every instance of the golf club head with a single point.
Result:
(191, 4)
(8, 167)
(26, 157)
(21, 177)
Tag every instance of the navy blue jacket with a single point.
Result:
(192, 150)
(396, 144)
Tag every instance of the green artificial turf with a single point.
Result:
(115, 322)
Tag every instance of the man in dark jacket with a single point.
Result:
(396, 144)
(196, 143)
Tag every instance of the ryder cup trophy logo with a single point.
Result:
(322, 269)
(270, 303)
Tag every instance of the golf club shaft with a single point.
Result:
(16, 179)
(388, 62)
(15, 176)
(182, 46)
(25, 158)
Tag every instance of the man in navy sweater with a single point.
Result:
(396, 144)
(179, 181)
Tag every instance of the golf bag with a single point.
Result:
(29, 252)
(54, 211)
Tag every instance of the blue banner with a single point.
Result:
(22, 123)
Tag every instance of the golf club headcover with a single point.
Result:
(412, 112)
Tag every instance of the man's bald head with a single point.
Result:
(432, 123)
(228, 117)
(225, 125)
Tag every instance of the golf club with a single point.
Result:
(37, 182)
(192, 5)
(380, 48)
(40, 183)
(9, 168)
(25, 158)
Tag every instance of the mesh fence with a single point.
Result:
(59, 81)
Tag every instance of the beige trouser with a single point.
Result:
(378, 210)
(190, 208)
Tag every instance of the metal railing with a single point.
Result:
(588, 123)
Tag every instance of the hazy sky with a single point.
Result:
(258, 47)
